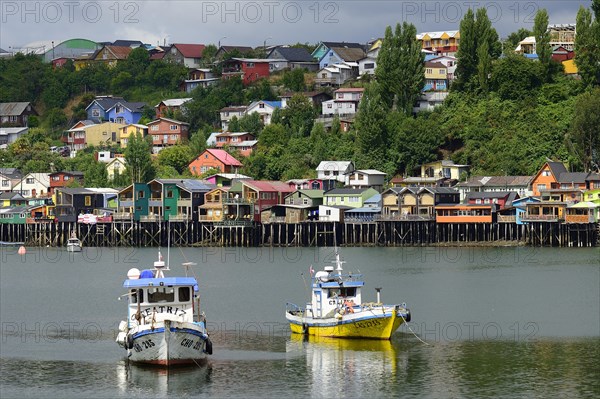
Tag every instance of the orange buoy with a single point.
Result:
(22, 250)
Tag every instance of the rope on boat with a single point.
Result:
(411, 330)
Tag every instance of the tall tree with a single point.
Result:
(466, 55)
(542, 39)
(587, 45)
(400, 71)
(139, 162)
(387, 67)
(411, 67)
(476, 31)
(372, 138)
(585, 130)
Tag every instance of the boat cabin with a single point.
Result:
(333, 292)
(153, 297)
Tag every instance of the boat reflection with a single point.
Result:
(174, 381)
(338, 365)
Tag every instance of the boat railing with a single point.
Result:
(292, 308)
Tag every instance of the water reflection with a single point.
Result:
(339, 367)
(156, 381)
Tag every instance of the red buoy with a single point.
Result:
(22, 250)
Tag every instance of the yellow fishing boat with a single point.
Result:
(336, 308)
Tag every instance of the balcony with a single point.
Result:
(184, 202)
(507, 219)
(241, 201)
(151, 218)
(540, 218)
(155, 202)
(128, 203)
(122, 216)
(180, 218)
(579, 219)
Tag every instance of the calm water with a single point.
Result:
(498, 322)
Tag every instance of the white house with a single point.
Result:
(334, 170)
(33, 185)
(332, 213)
(264, 109)
(336, 74)
(365, 178)
(229, 112)
(115, 167)
(429, 100)
(345, 102)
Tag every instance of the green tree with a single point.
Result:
(400, 70)
(542, 40)
(177, 156)
(294, 79)
(250, 123)
(139, 163)
(372, 138)
(299, 115)
(516, 78)
(466, 55)
(587, 45)
(479, 45)
(584, 137)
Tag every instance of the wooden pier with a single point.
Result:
(305, 234)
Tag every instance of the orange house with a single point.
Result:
(464, 213)
(547, 177)
(214, 159)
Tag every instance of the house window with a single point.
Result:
(54, 178)
(66, 178)
(173, 127)
(429, 70)
(545, 173)
(370, 66)
(250, 65)
(478, 201)
(95, 112)
(304, 201)
(328, 212)
(5, 183)
(154, 127)
(119, 109)
(541, 187)
(120, 119)
(88, 200)
(169, 193)
(29, 180)
(329, 106)
(261, 105)
(141, 194)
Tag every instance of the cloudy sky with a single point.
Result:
(252, 23)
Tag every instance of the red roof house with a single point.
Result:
(214, 159)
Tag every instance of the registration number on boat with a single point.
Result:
(143, 345)
(367, 324)
(189, 343)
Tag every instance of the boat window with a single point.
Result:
(184, 294)
(348, 292)
(133, 294)
(334, 293)
(161, 294)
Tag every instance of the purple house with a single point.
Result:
(125, 112)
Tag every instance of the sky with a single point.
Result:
(253, 23)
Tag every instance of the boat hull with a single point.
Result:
(371, 324)
(169, 343)
(73, 248)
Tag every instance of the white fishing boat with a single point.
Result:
(336, 308)
(74, 244)
(164, 324)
